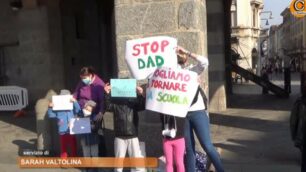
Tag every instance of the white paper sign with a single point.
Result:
(62, 102)
(145, 55)
(79, 126)
(171, 91)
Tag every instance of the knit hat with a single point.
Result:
(65, 92)
(90, 103)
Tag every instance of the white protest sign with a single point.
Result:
(79, 125)
(171, 91)
(62, 102)
(145, 55)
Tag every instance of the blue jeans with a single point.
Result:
(199, 122)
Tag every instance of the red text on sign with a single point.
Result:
(153, 47)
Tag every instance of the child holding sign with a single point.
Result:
(64, 117)
(125, 111)
(89, 141)
(173, 142)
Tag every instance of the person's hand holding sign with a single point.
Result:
(139, 90)
(50, 104)
(107, 88)
(73, 100)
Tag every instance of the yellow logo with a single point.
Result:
(298, 8)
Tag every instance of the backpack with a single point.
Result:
(202, 162)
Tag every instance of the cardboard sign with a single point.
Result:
(80, 126)
(144, 56)
(123, 87)
(171, 91)
(62, 102)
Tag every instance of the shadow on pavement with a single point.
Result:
(248, 123)
(27, 122)
(255, 130)
(269, 102)
(25, 145)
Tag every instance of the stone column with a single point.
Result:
(216, 54)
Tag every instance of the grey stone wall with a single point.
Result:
(7, 29)
(185, 20)
(36, 63)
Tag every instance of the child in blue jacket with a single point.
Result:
(64, 116)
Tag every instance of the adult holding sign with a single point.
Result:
(145, 55)
(197, 118)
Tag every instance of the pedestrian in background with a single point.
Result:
(265, 76)
(287, 71)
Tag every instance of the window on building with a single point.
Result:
(255, 14)
(254, 17)
(234, 14)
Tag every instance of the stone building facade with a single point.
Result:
(52, 40)
(245, 21)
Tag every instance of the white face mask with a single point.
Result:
(86, 112)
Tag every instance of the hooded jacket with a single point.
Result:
(64, 117)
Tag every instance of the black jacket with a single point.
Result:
(125, 114)
(298, 121)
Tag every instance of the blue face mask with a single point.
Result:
(86, 81)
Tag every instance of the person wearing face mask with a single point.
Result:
(91, 87)
(197, 117)
(88, 142)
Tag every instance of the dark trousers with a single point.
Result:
(303, 169)
(102, 146)
(266, 78)
(287, 79)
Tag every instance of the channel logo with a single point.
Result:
(298, 8)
